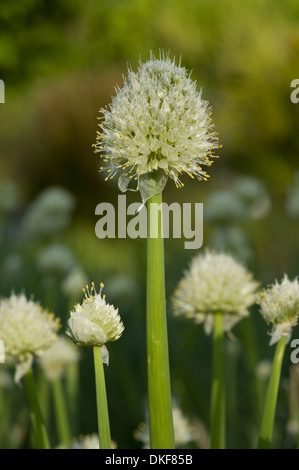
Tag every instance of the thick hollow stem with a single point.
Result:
(102, 406)
(271, 397)
(218, 396)
(41, 436)
(62, 421)
(159, 389)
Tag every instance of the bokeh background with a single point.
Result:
(60, 62)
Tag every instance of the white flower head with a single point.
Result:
(94, 322)
(58, 357)
(157, 126)
(292, 198)
(279, 305)
(26, 329)
(55, 260)
(215, 283)
(73, 282)
(49, 213)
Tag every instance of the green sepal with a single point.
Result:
(151, 184)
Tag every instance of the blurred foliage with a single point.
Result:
(60, 62)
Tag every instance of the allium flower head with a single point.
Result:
(26, 329)
(73, 282)
(254, 196)
(49, 213)
(55, 260)
(279, 305)
(94, 322)
(157, 126)
(58, 357)
(215, 283)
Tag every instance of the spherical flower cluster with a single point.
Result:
(49, 213)
(223, 206)
(55, 260)
(279, 305)
(157, 124)
(253, 195)
(94, 322)
(215, 283)
(26, 329)
(73, 282)
(58, 357)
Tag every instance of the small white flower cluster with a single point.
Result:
(58, 357)
(279, 305)
(73, 282)
(215, 283)
(55, 260)
(292, 199)
(26, 329)
(157, 121)
(94, 322)
(49, 213)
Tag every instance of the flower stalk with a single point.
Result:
(72, 392)
(63, 426)
(159, 389)
(41, 436)
(102, 406)
(266, 430)
(218, 397)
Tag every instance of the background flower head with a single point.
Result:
(58, 357)
(157, 125)
(279, 305)
(26, 329)
(215, 283)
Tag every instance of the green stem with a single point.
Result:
(41, 436)
(159, 389)
(72, 391)
(231, 355)
(252, 359)
(102, 406)
(64, 433)
(271, 397)
(43, 391)
(218, 400)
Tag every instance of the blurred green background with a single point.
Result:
(60, 62)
